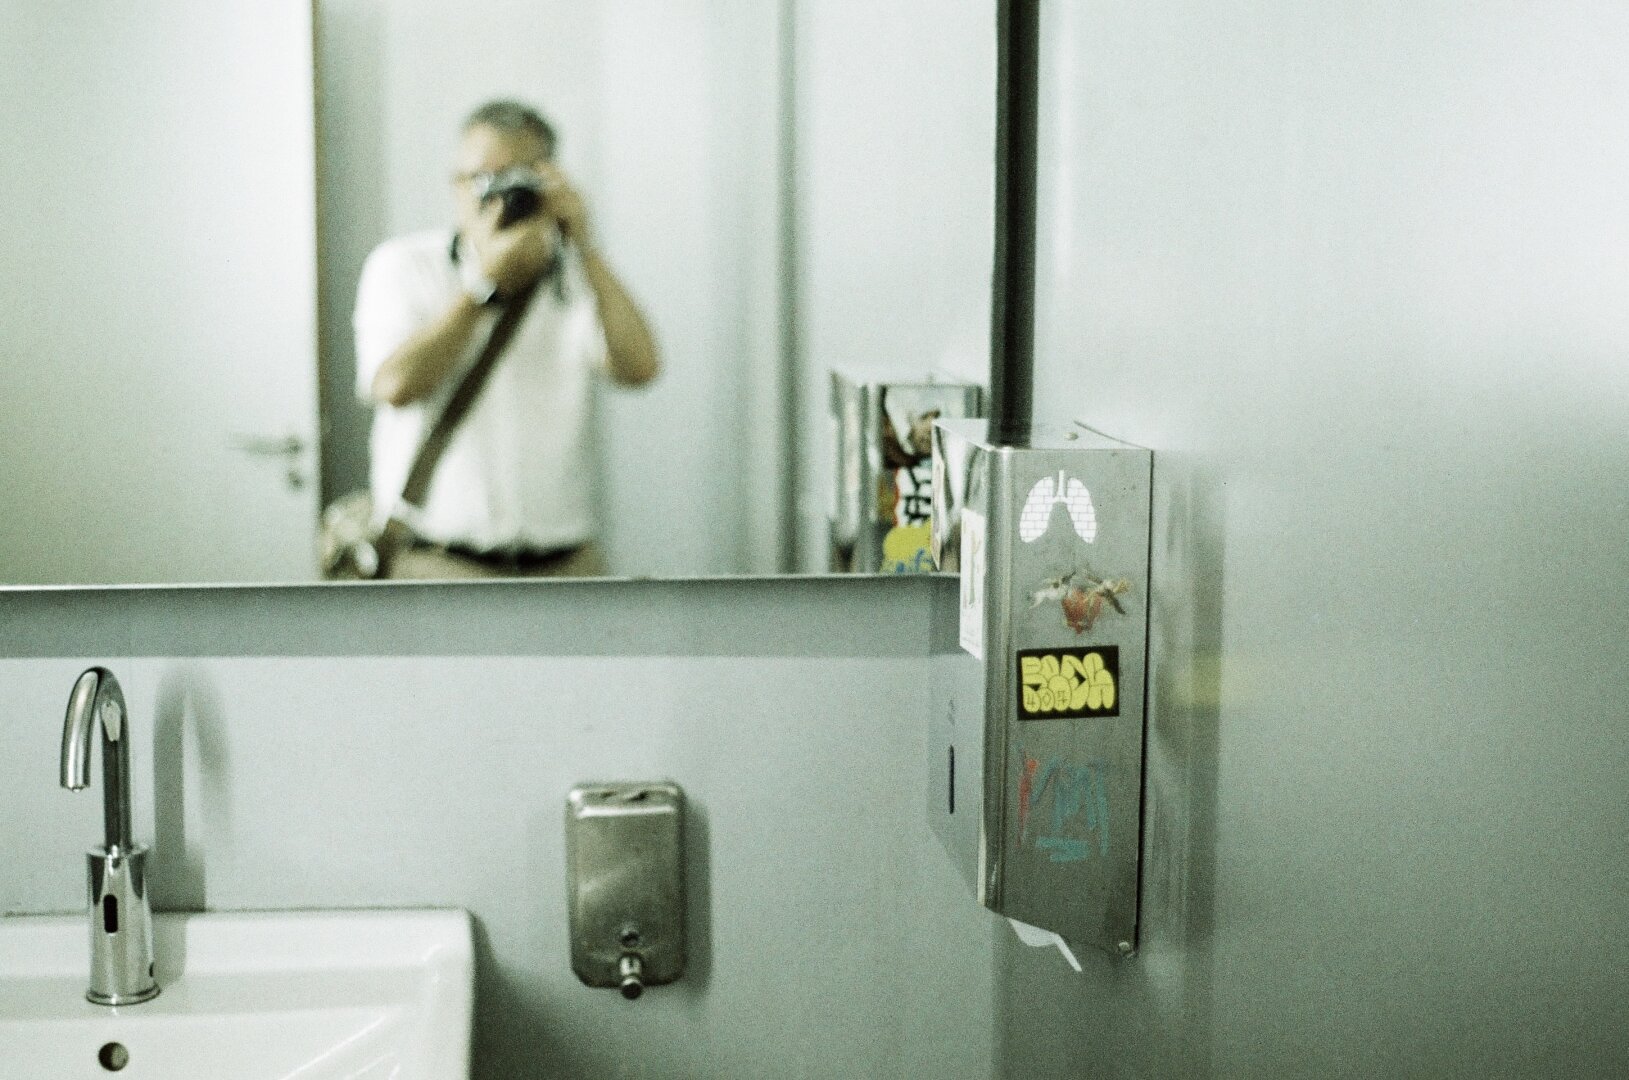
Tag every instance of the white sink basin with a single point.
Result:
(360, 995)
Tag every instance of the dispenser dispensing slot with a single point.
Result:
(631, 971)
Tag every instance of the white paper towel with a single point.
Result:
(1034, 935)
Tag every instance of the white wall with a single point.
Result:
(668, 120)
(1356, 273)
(408, 746)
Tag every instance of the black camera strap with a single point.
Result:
(463, 398)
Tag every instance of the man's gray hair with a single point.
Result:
(514, 118)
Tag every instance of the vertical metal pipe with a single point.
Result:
(791, 329)
(1012, 299)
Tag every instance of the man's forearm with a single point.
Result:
(425, 359)
(630, 346)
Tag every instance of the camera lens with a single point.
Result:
(519, 203)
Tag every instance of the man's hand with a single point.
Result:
(564, 205)
(514, 257)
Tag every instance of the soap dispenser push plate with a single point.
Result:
(1038, 742)
(625, 884)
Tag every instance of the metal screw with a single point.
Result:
(629, 938)
(1125, 948)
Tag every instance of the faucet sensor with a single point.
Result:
(121, 922)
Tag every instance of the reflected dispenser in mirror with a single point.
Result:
(1037, 737)
(881, 513)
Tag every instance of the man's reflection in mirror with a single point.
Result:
(512, 493)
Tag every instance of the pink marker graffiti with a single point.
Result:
(1025, 782)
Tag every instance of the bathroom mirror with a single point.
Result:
(784, 187)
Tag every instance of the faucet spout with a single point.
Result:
(97, 702)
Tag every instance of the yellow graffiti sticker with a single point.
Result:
(1061, 684)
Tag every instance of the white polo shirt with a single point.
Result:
(518, 472)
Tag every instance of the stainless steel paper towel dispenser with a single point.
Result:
(1037, 738)
(882, 497)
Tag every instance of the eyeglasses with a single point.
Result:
(483, 177)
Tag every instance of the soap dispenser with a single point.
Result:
(625, 884)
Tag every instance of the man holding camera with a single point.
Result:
(512, 490)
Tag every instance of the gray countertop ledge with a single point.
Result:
(832, 615)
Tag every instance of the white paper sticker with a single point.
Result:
(972, 566)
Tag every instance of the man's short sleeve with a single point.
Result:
(388, 311)
(595, 351)
(587, 332)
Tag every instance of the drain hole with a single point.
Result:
(113, 1057)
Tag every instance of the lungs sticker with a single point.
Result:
(1036, 517)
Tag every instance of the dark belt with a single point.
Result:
(512, 559)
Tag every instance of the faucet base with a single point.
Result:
(121, 928)
(122, 999)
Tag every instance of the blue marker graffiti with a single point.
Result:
(1079, 796)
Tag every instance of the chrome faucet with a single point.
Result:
(121, 923)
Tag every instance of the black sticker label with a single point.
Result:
(1063, 684)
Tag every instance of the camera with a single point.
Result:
(518, 190)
